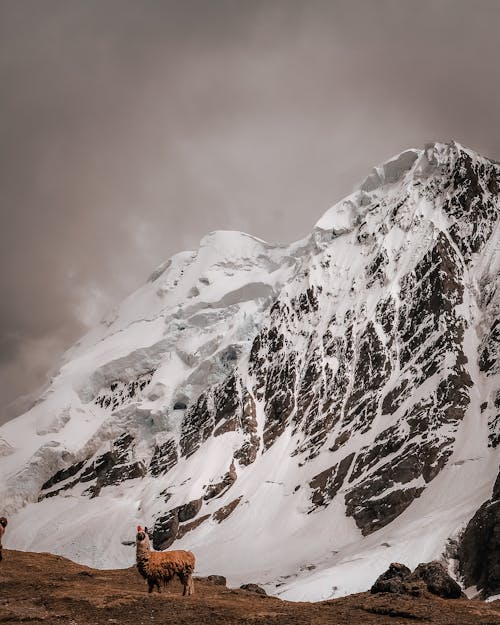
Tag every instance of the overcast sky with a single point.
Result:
(130, 128)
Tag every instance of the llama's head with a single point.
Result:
(3, 521)
(142, 536)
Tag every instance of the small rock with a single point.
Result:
(253, 588)
(219, 580)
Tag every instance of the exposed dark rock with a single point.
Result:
(253, 588)
(372, 370)
(386, 443)
(167, 526)
(230, 425)
(217, 489)
(371, 515)
(279, 397)
(341, 439)
(273, 366)
(326, 484)
(197, 425)
(225, 511)
(113, 467)
(247, 453)
(489, 363)
(489, 358)
(479, 548)
(375, 271)
(164, 458)
(63, 475)
(428, 331)
(61, 478)
(189, 510)
(494, 421)
(120, 392)
(189, 527)
(115, 475)
(166, 495)
(472, 202)
(386, 315)
(394, 398)
(165, 530)
(227, 407)
(227, 399)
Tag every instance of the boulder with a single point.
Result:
(392, 579)
(437, 580)
(253, 588)
(218, 580)
(431, 576)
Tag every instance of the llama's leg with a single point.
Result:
(151, 585)
(184, 581)
(190, 585)
(187, 579)
(157, 582)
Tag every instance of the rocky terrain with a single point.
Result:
(298, 415)
(42, 589)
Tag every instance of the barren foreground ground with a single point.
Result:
(43, 588)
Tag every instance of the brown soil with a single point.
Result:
(43, 588)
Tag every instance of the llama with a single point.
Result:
(161, 566)
(3, 525)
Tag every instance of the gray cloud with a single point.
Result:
(130, 129)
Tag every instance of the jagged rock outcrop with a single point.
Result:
(479, 547)
(431, 576)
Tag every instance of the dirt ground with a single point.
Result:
(43, 588)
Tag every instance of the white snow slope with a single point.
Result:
(291, 382)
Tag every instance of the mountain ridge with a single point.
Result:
(348, 378)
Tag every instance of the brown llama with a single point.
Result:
(161, 566)
(3, 525)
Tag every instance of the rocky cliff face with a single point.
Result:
(479, 547)
(348, 381)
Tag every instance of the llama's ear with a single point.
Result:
(146, 531)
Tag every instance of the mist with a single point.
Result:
(128, 130)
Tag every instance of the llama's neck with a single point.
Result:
(142, 550)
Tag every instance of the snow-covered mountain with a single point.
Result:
(297, 416)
